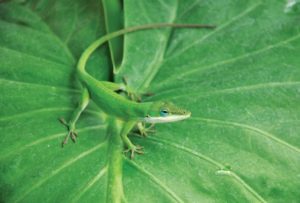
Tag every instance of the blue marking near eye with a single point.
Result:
(164, 113)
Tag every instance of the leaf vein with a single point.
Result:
(160, 57)
(170, 91)
(188, 150)
(90, 184)
(56, 171)
(232, 60)
(155, 180)
(218, 29)
(213, 162)
(44, 139)
(56, 88)
(252, 128)
(32, 112)
(40, 59)
(73, 27)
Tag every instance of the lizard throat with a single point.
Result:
(167, 119)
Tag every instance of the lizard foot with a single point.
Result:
(130, 93)
(144, 131)
(71, 133)
(134, 149)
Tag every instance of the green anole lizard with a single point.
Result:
(127, 112)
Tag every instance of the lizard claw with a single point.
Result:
(71, 133)
(134, 149)
(64, 142)
(63, 121)
(73, 136)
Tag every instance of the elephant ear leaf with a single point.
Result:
(240, 81)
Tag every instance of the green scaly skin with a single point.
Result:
(128, 112)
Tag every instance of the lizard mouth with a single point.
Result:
(166, 119)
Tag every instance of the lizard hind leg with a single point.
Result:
(133, 95)
(130, 93)
(84, 100)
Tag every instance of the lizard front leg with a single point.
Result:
(145, 130)
(128, 144)
(84, 100)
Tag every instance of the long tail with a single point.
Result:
(86, 54)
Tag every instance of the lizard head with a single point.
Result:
(164, 112)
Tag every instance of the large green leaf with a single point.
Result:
(241, 81)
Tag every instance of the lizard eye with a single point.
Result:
(164, 112)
